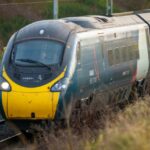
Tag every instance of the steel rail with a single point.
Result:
(2, 121)
(11, 137)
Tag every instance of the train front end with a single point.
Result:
(34, 71)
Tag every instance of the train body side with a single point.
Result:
(111, 58)
(94, 61)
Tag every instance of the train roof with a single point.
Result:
(145, 16)
(52, 29)
(102, 22)
(60, 29)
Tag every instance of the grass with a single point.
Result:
(7, 28)
(99, 127)
(101, 130)
(130, 130)
(108, 130)
(74, 9)
(96, 127)
(19, 16)
(9, 25)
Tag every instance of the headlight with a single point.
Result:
(61, 85)
(4, 85)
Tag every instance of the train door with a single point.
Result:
(90, 61)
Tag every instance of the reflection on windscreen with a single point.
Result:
(44, 51)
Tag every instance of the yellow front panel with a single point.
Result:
(22, 105)
(21, 102)
(4, 102)
(55, 103)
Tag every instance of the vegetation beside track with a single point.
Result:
(109, 130)
(114, 130)
(21, 15)
(130, 130)
(13, 17)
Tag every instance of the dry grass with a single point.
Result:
(130, 130)
(131, 5)
(84, 126)
(101, 129)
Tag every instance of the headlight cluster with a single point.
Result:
(4, 85)
(61, 85)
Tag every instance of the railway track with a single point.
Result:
(8, 137)
(2, 122)
(11, 140)
(11, 137)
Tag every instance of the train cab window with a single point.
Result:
(37, 52)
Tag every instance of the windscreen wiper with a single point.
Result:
(34, 62)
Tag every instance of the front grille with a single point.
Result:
(17, 76)
(31, 77)
(47, 76)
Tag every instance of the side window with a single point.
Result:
(124, 53)
(135, 49)
(110, 52)
(117, 56)
(114, 54)
(110, 57)
(130, 52)
(124, 49)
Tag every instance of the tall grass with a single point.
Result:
(109, 130)
(130, 130)
(9, 26)
(74, 8)
(131, 5)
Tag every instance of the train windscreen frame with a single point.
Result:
(48, 52)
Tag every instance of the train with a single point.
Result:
(49, 64)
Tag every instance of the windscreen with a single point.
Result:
(43, 51)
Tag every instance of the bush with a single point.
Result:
(7, 28)
(74, 9)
